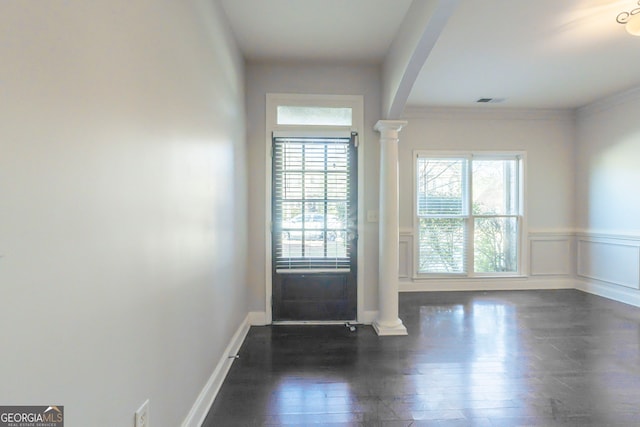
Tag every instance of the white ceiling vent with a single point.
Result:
(490, 100)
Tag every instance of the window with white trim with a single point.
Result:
(468, 214)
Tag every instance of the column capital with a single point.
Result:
(390, 127)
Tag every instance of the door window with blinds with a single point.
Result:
(312, 203)
(468, 214)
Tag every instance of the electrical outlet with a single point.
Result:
(142, 415)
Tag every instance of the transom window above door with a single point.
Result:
(314, 116)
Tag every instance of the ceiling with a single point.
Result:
(532, 54)
(315, 30)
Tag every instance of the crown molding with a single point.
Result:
(609, 102)
(457, 113)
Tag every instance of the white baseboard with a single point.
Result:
(499, 284)
(613, 292)
(203, 403)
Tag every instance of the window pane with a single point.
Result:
(496, 245)
(337, 159)
(495, 184)
(292, 185)
(314, 157)
(442, 245)
(337, 185)
(292, 156)
(337, 213)
(314, 186)
(319, 116)
(441, 186)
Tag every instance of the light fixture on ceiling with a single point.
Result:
(631, 20)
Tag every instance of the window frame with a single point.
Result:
(469, 217)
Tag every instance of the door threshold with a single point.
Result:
(314, 322)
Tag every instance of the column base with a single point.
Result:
(389, 330)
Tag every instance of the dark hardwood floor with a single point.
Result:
(521, 358)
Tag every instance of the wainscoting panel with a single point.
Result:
(550, 254)
(611, 260)
(405, 255)
(550, 261)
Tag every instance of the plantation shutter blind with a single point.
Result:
(311, 202)
(442, 212)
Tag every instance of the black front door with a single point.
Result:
(314, 233)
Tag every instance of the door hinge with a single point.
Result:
(355, 137)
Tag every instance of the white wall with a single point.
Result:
(608, 201)
(608, 171)
(308, 79)
(122, 200)
(547, 137)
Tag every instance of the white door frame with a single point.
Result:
(356, 103)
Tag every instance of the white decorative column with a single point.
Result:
(388, 322)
